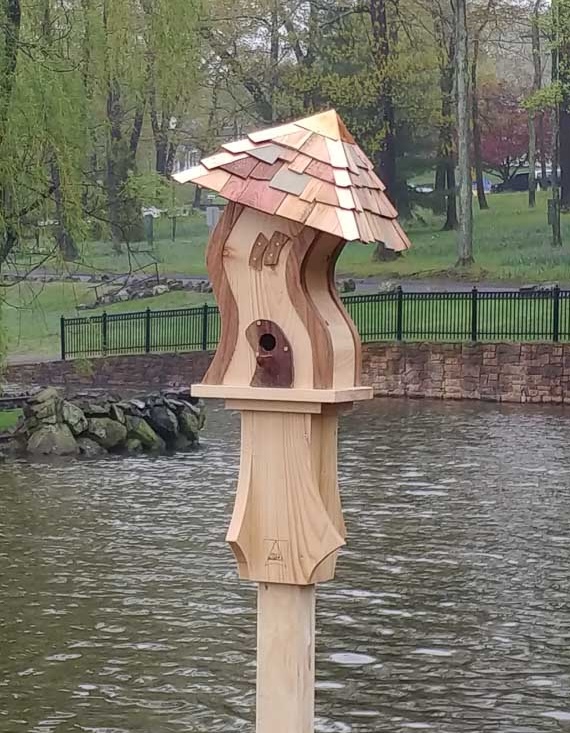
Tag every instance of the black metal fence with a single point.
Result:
(394, 316)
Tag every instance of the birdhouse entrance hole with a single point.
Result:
(268, 342)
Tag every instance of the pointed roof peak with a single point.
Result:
(329, 124)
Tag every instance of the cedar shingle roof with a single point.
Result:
(311, 171)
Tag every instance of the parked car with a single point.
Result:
(519, 182)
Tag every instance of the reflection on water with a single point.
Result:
(120, 611)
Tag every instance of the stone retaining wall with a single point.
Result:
(500, 372)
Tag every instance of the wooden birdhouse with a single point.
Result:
(289, 358)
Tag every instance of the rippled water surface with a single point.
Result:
(120, 611)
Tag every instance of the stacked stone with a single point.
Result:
(91, 426)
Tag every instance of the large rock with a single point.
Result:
(118, 414)
(108, 433)
(96, 409)
(53, 440)
(74, 417)
(189, 424)
(44, 395)
(164, 422)
(139, 429)
(45, 412)
(134, 446)
(88, 448)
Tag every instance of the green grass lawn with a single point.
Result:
(31, 313)
(512, 244)
(8, 419)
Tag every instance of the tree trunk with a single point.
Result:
(536, 87)
(65, 241)
(542, 144)
(445, 172)
(556, 118)
(10, 33)
(451, 221)
(386, 158)
(482, 198)
(531, 159)
(465, 239)
(439, 188)
(197, 203)
(564, 146)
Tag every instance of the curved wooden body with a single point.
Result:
(266, 268)
(287, 524)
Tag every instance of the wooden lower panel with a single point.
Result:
(287, 520)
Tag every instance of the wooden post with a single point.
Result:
(285, 659)
(289, 360)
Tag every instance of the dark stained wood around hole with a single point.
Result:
(273, 355)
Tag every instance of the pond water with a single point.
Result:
(120, 611)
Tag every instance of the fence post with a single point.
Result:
(147, 331)
(205, 327)
(474, 314)
(556, 314)
(400, 313)
(62, 336)
(104, 333)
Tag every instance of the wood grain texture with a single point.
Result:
(260, 196)
(325, 219)
(321, 170)
(294, 140)
(320, 396)
(234, 188)
(215, 180)
(328, 124)
(219, 159)
(324, 446)
(241, 168)
(286, 659)
(313, 320)
(318, 269)
(280, 531)
(295, 209)
(337, 153)
(227, 305)
(300, 164)
(273, 355)
(265, 171)
(316, 148)
(264, 295)
(357, 341)
(271, 133)
(240, 146)
(305, 408)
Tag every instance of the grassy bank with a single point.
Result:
(512, 244)
(31, 313)
(8, 419)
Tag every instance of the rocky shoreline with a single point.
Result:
(92, 425)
